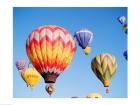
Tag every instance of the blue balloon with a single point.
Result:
(121, 19)
(83, 37)
(125, 55)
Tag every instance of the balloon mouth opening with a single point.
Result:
(106, 83)
(50, 77)
(87, 50)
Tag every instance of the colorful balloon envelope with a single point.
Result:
(94, 95)
(20, 64)
(84, 38)
(122, 19)
(31, 77)
(125, 55)
(50, 50)
(104, 67)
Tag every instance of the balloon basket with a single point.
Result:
(107, 91)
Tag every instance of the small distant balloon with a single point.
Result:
(94, 95)
(20, 64)
(125, 28)
(84, 38)
(125, 55)
(122, 19)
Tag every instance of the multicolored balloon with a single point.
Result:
(20, 64)
(122, 19)
(104, 67)
(50, 50)
(31, 77)
(125, 54)
(125, 28)
(94, 95)
(84, 38)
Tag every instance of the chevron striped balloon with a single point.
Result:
(50, 49)
(104, 67)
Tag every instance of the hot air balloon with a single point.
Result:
(94, 95)
(84, 38)
(104, 67)
(122, 19)
(74, 97)
(20, 64)
(50, 50)
(125, 28)
(125, 54)
(31, 77)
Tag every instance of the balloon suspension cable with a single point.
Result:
(49, 88)
(107, 91)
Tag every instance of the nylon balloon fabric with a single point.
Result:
(20, 64)
(31, 77)
(50, 50)
(83, 37)
(104, 67)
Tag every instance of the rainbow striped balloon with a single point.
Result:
(104, 67)
(50, 49)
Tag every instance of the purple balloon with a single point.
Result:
(83, 37)
(20, 64)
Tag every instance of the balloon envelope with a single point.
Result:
(94, 95)
(31, 77)
(125, 55)
(20, 64)
(122, 19)
(104, 67)
(50, 50)
(84, 38)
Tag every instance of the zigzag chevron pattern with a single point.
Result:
(50, 48)
(104, 66)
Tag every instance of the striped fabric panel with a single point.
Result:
(104, 66)
(50, 48)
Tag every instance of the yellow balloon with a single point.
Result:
(23, 77)
(94, 95)
(31, 76)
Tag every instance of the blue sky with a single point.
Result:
(78, 79)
